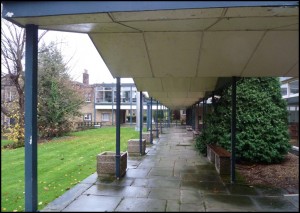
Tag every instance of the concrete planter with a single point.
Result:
(134, 147)
(146, 136)
(154, 132)
(106, 164)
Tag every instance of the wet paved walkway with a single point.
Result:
(172, 176)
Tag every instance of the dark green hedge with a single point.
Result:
(262, 121)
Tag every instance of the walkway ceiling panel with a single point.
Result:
(92, 28)
(277, 53)
(294, 71)
(171, 25)
(157, 95)
(67, 19)
(254, 23)
(290, 27)
(196, 94)
(226, 53)
(203, 84)
(167, 14)
(261, 11)
(124, 53)
(148, 84)
(176, 84)
(177, 94)
(173, 54)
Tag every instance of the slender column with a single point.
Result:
(203, 114)
(137, 125)
(148, 116)
(151, 138)
(169, 117)
(131, 105)
(112, 106)
(118, 125)
(193, 117)
(161, 118)
(156, 119)
(31, 61)
(141, 120)
(233, 128)
(95, 108)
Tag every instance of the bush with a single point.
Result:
(262, 125)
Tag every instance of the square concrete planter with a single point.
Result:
(134, 147)
(154, 132)
(146, 136)
(106, 164)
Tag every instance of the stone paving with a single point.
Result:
(172, 176)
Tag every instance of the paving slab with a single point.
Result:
(217, 202)
(93, 203)
(142, 205)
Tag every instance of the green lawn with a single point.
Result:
(5, 142)
(62, 163)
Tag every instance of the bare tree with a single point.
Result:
(12, 55)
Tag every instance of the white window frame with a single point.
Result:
(103, 118)
(87, 117)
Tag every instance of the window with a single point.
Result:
(283, 91)
(105, 116)
(88, 97)
(10, 95)
(294, 87)
(87, 117)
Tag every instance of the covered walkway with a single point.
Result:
(172, 176)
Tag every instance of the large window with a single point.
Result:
(105, 116)
(103, 94)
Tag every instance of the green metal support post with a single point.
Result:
(118, 125)
(31, 68)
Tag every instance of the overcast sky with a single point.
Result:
(79, 48)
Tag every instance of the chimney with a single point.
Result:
(85, 76)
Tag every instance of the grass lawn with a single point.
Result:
(62, 163)
(5, 142)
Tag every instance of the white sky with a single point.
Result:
(79, 48)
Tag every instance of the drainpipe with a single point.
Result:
(31, 64)
(118, 125)
(233, 128)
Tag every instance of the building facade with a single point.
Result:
(290, 92)
(100, 102)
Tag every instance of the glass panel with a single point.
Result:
(283, 91)
(294, 87)
(105, 116)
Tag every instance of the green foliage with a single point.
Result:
(262, 125)
(58, 101)
(15, 132)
